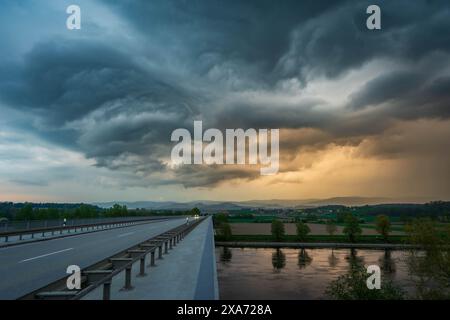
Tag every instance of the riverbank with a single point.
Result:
(314, 245)
(392, 239)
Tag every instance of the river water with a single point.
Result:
(261, 273)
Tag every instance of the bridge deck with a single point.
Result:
(28, 267)
(187, 272)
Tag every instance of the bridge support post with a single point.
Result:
(128, 279)
(166, 247)
(160, 251)
(142, 267)
(152, 258)
(107, 290)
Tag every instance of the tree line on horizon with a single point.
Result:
(51, 211)
(405, 211)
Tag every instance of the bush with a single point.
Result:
(331, 227)
(429, 269)
(353, 286)
(220, 218)
(277, 230)
(225, 231)
(383, 226)
(302, 231)
(352, 228)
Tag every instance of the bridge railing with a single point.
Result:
(71, 226)
(102, 273)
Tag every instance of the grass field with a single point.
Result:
(316, 229)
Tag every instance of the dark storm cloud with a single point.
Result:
(403, 95)
(338, 40)
(65, 80)
(388, 87)
(59, 79)
(95, 98)
(267, 114)
(28, 182)
(207, 33)
(210, 176)
(118, 102)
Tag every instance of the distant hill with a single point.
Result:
(349, 201)
(274, 203)
(171, 205)
(265, 204)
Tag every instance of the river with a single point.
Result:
(261, 273)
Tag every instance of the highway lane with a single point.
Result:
(27, 267)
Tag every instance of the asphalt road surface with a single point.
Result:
(25, 268)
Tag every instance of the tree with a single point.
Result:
(225, 231)
(278, 259)
(304, 259)
(87, 211)
(429, 268)
(195, 211)
(383, 226)
(53, 213)
(404, 218)
(117, 211)
(219, 218)
(302, 230)
(353, 286)
(277, 230)
(331, 227)
(340, 216)
(26, 212)
(352, 228)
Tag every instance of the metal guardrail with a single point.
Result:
(82, 227)
(15, 225)
(102, 273)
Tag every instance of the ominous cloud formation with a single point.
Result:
(107, 97)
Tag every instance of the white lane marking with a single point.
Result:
(21, 245)
(125, 234)
(45, 255)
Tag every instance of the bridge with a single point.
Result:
(164, 258)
